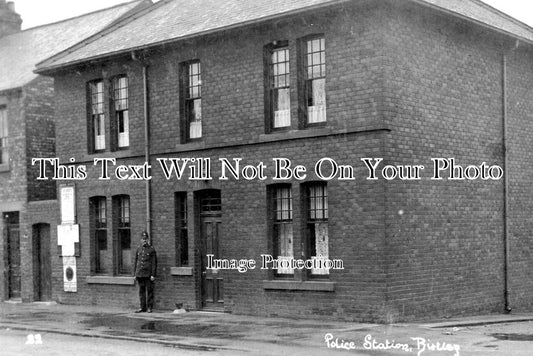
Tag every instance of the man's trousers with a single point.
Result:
(146, 292)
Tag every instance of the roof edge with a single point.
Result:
(478, 22)
(507, 16)
(41, 67)
(132, 15)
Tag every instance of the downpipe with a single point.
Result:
(506, 273)
(148, 184)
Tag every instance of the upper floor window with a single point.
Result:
(120, 107)
(317, 239)
(279, 89)
(282, 226)
(4, 156)
(123, 250)
(315, 80)
(192, 100)
(96, 115)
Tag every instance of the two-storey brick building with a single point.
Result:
(405, 81)
(28, 206)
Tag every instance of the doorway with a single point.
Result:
(12, 238)
(42, 267)
(212, 282)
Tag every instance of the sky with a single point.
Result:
(39, 12)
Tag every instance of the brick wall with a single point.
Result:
(13, 182)
(446, 252)
(520, 115)
(40, 134)
(13, 175)
(31, 134)
(404, 83)
(233, 121)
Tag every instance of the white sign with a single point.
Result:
(69, 274)
(68, 206)
(67, 235)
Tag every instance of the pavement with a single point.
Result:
(227, 333)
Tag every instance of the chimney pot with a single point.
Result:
(10, 21)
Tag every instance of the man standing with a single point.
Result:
(145, 273)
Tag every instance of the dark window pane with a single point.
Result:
(182, 244)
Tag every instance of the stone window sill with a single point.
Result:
(4, 167)
(181, 271)
(127, 281)
(123, 153)
(323, 286)
(290, 134)
(196, 144)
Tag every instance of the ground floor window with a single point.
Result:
(317, 240)
(181, 234)
(123, 233)
(110, 238)
(98, 226)
(280, 197)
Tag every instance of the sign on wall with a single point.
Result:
(68, 236)
(69, 274)
(67, 199)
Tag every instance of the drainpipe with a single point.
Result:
(507, 305)
(147, 153)
(148, 183)
(505, 188)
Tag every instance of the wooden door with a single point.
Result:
(42, 262)
(13, 260)
(212, 282)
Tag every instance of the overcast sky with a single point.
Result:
(38, 12)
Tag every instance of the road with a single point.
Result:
(15, 343)
(515, 339)
(498, 339)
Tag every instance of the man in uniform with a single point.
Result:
(145, 272)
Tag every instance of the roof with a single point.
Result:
(478, 11)
(21, 51)
(172, 20)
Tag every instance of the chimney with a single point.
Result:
(10, 21)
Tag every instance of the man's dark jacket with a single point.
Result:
(145, 262)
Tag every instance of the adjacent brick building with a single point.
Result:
(28, 206)
(401, 80)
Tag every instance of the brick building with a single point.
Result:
(28, 206)
(406, 81)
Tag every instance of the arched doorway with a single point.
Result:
(42, 267)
